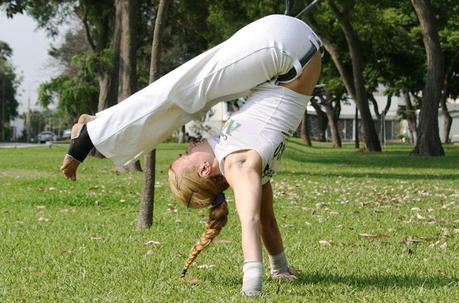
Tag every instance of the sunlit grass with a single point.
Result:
(361, 227)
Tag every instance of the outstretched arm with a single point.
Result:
(243, 173)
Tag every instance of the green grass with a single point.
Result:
(78, 242)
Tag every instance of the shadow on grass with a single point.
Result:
(371, 175)
(379, 281)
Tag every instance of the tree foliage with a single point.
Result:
(388, 31)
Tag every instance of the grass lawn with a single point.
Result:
(361, 227)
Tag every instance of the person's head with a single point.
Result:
(195, 180)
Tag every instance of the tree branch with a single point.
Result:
(84, 19)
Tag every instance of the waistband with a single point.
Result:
(297, 68)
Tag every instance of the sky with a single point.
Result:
(30, 55)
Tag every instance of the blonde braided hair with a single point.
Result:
(195, 191)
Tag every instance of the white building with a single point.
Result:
(453, 109)
(394, 128)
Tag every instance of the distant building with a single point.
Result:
(453, 109)
(395, 130)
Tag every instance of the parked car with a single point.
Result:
(66, 134)
(46, 136)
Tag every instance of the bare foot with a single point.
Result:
(85, 118)
(69, 167)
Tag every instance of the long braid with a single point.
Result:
(195, 191)
(218, 216)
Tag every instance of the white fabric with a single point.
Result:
(278, 264)
(253, 278)
(270, 115)
(257, 53)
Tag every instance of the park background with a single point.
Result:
(365, 219)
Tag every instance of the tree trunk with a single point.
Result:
(371, 136)
(145, 219)
(305, 130)
(98, 40)
(381, 116)
(448, 121)
(410, 117)
(345, 74)
(356, 129)
(333, 125)
(127, 58)
(322, 120)
(332, 117)
(182, 135)
(428, 142)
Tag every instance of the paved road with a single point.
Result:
(19, 145)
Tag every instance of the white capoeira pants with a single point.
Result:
(258, 52)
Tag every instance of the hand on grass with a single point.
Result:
(289, 276)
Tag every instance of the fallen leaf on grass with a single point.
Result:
(443, 246)
(171, 208)
(205, 266)
(40, 206)
(374, 236)
(192, 281)
(19, 222)
(410, 239)
(149, 252)
(325, 243)
(152, 242)
(444, 233)
(43, 219)
(96, 238)
(419, 217)
(68, 210)
(320, 205)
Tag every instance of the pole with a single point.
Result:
(307, 8)
(356, 127)
(3, 108)
(28, 119)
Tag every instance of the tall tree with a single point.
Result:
(145, 219)
(8, 86)
(448, 11)
(127, 23)
(428, 142)
(304, 130)
(343, 16)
